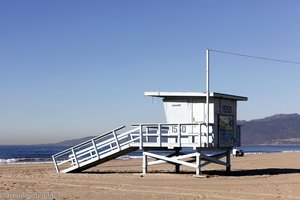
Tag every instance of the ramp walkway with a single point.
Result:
(118, 142)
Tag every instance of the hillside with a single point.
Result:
(280, 129)
(74, 142)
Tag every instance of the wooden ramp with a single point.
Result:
(95, 162)
(95, 151)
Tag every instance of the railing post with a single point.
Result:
(141, 136)
(200, 134)
(116, 138)
(130, 135)
(179, 135)
(55, 164)
(207, 128)
(147, 132)
(75, 158)
(159, 135)
(95, 148)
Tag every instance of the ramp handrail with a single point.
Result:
(83, 143)
(93, 149)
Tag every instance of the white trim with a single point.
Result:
(195, 95)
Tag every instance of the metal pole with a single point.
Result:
(207, 92)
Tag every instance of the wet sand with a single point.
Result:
(261, 176)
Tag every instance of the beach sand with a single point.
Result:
(261, 176)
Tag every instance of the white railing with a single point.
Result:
(93, 150)
(174, 135)
(142, 136)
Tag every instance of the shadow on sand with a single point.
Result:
(254, 172)
(240, 173)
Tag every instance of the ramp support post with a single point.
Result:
(55, 164)
(145, 162)
(228, 164)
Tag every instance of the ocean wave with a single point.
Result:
(255, 153)
(291, 151)
(48, 160)
(25, 160)
(267, 152)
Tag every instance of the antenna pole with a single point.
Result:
(207, 91)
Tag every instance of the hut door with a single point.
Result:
(178, 112)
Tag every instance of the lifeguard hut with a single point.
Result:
(186, 116)
(205, 123)
(190, 108)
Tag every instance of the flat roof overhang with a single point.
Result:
(195, 95)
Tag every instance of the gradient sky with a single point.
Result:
(70, 69)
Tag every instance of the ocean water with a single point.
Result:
(28, 153)
(269, 149)
(15, 154)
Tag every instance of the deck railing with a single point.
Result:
(174, 135)
(142, 136)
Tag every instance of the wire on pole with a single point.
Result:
(255, 57)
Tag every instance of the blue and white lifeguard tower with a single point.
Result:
(203, 122)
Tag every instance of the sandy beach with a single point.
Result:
(261, 176)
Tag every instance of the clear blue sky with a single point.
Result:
(70, 69)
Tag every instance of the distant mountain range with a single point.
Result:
(74, 142)
(280, 129)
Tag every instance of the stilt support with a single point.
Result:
(198, 163)
(199, 160)
(177, 166)
(145, 163)
(228, 164)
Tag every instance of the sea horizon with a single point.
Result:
(26, 154)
